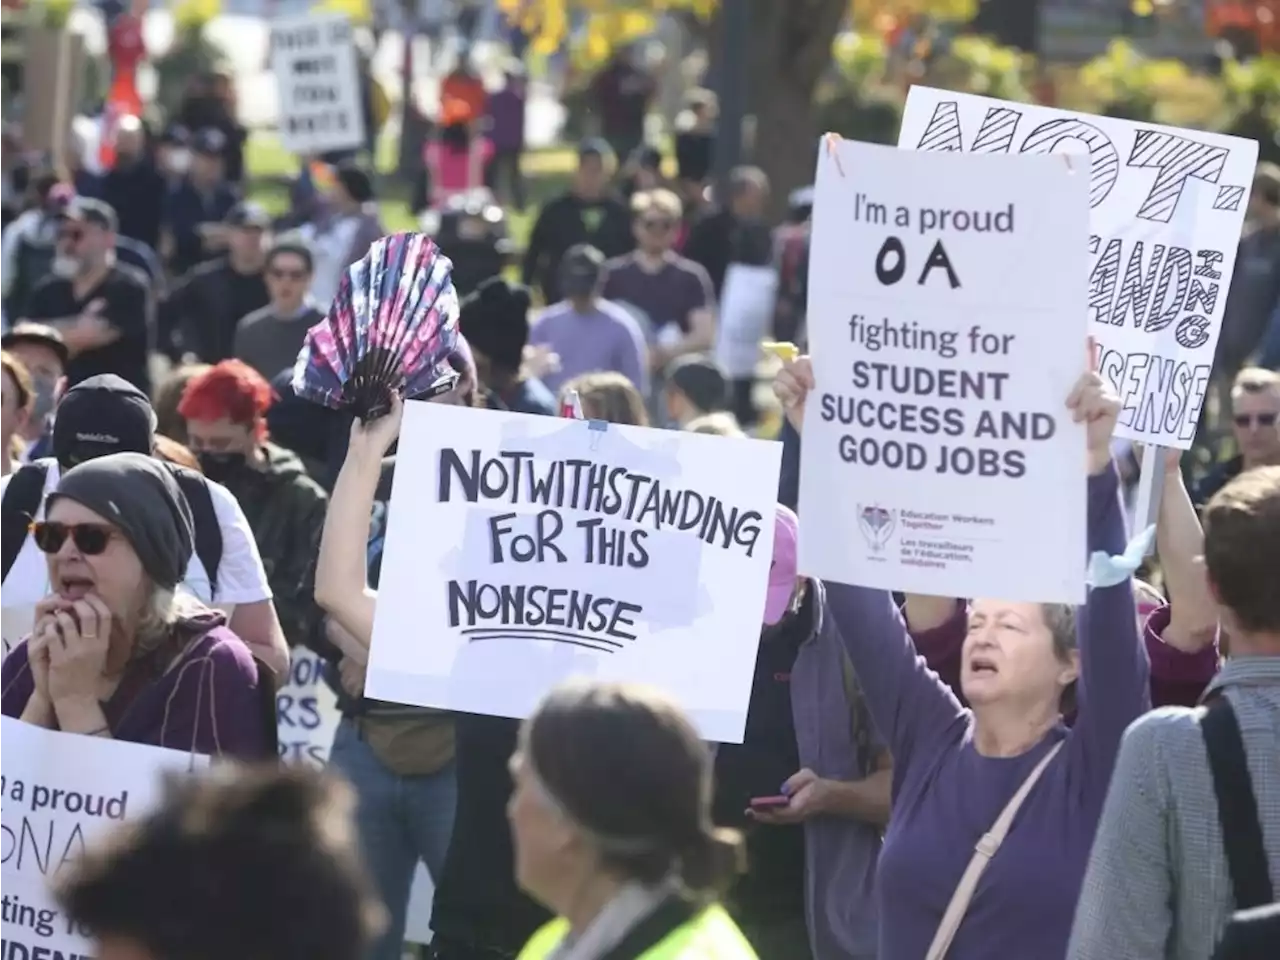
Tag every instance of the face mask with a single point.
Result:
(222, 465)
(180, 161)
(65, 265)
(42, 403)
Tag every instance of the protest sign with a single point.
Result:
(60, 792)
(306, 712)
(314, 60)
(746, 313)
(307, 719)
(947, 327)
(528, 550)
(1167, 207)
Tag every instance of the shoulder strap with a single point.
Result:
(670, 915)
(1237, 806)
(208, 531)
(987, 846)
(21, 501)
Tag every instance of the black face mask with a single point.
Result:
(222, 466)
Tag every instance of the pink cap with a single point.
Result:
(782, 571)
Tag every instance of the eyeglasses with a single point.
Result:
(1245, 420)
(90, 539)
(278, 273)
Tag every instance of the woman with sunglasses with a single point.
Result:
(116, 651)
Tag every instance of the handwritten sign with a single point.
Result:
(313, 58)
(947, 326)
(1167, 207)
(527, 550)
(59, 793)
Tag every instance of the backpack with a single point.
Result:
(1250, 927)
(26, 489)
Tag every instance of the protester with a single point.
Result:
(301, 426)
(40, 350)
(15, 406)
(809, 889)
(134, 187)
(672, 293)
(618, 843)
(169, 422)
(589, 334)
(115, 651)
(457, 160)
(106, 415)
(102, 310)
(695, 140)
(194, 211)
(345, 232)
(1166, 872)
(29, 243)
(400, 759)
(230, 863)
(693, 386)
(735, 231)
(473, 235)
(506, 116)
(269, 338)
(198, 319)
(641, 172)
(495, 321)
(957, 769)
(622, 93)
(588, 214)
(1255, 423)
(607, 396)
(225, 409)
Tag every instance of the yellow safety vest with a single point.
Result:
(711, 935)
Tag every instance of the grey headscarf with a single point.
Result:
(139, 495)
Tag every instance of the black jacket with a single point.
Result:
(200, 314)
(569, 220)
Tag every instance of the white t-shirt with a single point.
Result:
(241, 577)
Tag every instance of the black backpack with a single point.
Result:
(26, 489)
(1256, 923)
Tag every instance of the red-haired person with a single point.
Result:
(225, 408)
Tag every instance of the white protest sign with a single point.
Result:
(1167, 207)
(527, 550)
(307, 719)
(314, 60)
(946, 327)
(746, 310)
(60, 792)
(307, 713)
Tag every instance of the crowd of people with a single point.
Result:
(949, 776)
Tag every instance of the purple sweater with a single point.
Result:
(210, 702)
(946, 795)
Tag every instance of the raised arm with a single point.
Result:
(906, 699)
(1180, 541)
(1114, 685)
(341, 569)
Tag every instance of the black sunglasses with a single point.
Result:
(1244, 420)
(90, 539)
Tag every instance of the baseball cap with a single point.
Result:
(701, 380)
(251, 215)
(580, 270)
(782, 569)
(89, 210)
(37, 335)
(101, 415)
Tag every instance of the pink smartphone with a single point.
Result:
(769, 803)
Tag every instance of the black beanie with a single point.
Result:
(495, 321)
(139, 495)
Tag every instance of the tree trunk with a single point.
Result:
(790, 50)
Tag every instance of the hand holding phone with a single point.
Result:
(769, 803)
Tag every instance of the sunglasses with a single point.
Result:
(1246, 420)
(90, 539)
(278, 273)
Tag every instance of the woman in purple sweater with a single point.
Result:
(956, 768)
(115, 652)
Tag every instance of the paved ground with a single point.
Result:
(244, 38)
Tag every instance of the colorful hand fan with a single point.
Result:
(391, 327)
